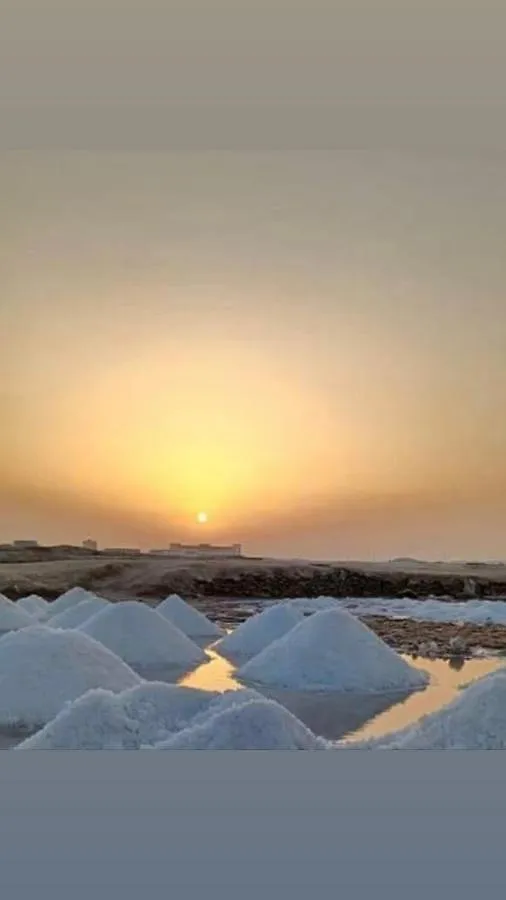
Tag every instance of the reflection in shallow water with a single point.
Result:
(335, 715)
(215, 675)
(445, 682)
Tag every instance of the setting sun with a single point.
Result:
(202, 518)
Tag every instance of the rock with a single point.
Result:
(458, 646)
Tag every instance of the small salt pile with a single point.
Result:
(42, 668)
(34, 605)
(222, 702)
(12, 616)
(476, 720)
(142, 637)
(332, 651)
(77, 615)
(257, 632)
(189, 620)
(70, 598)
(255, 725)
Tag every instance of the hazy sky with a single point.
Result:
(297, 325)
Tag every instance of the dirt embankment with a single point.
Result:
(152, 578)
(445, 640)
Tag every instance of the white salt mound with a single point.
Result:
(34, 605)
(476, 720)
(70, 598)
(101, 720)
(257, 632)
(332, 650)
(188, 619)
(12, 617)
(42, 668)
(142, 637)
(223, 702)
(141, 716)
(77, 615)
(162, 709)
(255, 725)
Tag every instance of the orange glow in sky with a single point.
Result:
(278, 343)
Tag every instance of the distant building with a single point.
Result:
(122, 551)
(207, 550)
(24, 545)
(90, 545)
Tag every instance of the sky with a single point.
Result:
(276, 298)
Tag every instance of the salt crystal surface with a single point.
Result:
(12, 616)
(77, 615)
(144, 715)
(257, 632)
(223, 702)
(42, 668)
(142, 637)
(101, 720)
(70, 598)
(189, 620)
(475, 612)
(255, 725)
(34, 605)
(332, 650)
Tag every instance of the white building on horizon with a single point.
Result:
(90, 544)
(210, 551)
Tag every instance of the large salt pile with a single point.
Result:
(141, 716)
(476, 720)
(42, 668)
(255, 725)
(142, 637)
(101, 720)
(34, 605)
(70, 598)
(12, 616)
(77, 615)
(332, 650)
(188, 619)
(257, 632)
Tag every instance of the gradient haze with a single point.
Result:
(305, 338)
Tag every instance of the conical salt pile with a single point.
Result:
(476, 720)
(34, 605)
(255, 725)
(70, 598)
(142, 637)
(144, 715)
(332, 651)
(12, 616)
(222, 702)
(42, 668)
(257, 632)
(189, 620)
(101, 720)
(77, 615)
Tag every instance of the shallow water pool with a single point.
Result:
(337, 715)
